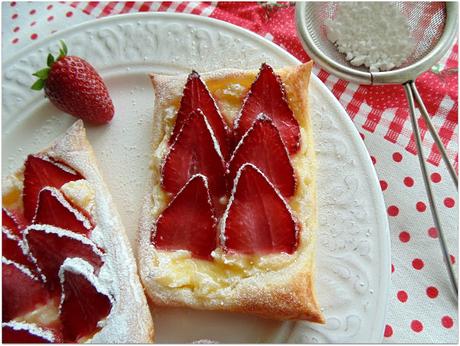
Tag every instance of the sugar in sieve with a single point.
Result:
(431, 42)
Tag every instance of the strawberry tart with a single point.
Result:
(229, 221)
(68, 273)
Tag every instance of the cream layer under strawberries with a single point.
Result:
(178, 270)
(79, 192)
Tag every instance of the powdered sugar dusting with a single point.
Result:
(80, 193)
(15, 238)
(84, 268)
(21, 267)
(63, 233)
(10, 235)
(213, 101)
(373, 34)
(193, 177)
(204, 341)
(11, 216)
(213, 137)
(248, 95)
(259, 117)
(232, 197)
(58, 164)
(236, 123)
(173, 146)
(31, 328)
(130, 321)
(58, 195)
(60, 233)
(223, 220)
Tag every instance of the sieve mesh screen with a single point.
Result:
(425, 19)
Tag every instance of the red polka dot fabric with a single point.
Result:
(421, 307)
(421, 293)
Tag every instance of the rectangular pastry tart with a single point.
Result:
(229, 221)
(68, 272)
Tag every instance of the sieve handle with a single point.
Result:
(434, 133)
(429, 191)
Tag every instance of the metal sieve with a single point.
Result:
(433, 26)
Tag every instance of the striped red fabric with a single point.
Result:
(397, 124)
(107, 9)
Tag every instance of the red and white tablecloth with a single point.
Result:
(422, 307)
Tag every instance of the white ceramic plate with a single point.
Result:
(353, 260)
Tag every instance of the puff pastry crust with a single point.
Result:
(283, 289)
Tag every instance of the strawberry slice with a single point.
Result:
(267, 96)
(257, 219)
(262, 146)
(54, 209)
(188, 222)
(13, 221)
(22, 291)
(196, 96)
(28, 333)
(60, 244)
(195, 151)
(84, 302)
(40, 172)
(12, 250)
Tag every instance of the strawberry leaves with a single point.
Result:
(42, 74)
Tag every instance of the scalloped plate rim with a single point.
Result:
(385, 260)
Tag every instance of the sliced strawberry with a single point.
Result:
(54, 209)
(22, 291)
(196, 96)
(262, 146)
(257, 219)
(267, 96)
(12, 250)
(40, 172)
(83, 302)
(195, 151)
(188, 222)
(50, 246)
(13, 221)
(18, 332)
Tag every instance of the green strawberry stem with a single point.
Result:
(43, 73)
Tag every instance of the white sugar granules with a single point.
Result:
(373, 34)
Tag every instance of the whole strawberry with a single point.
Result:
(75, 87)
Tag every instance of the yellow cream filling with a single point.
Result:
(178, 269)
(81, 193)
(44, 315)
(12, 192)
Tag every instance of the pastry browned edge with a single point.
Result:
(129, 320)
(283, 293)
